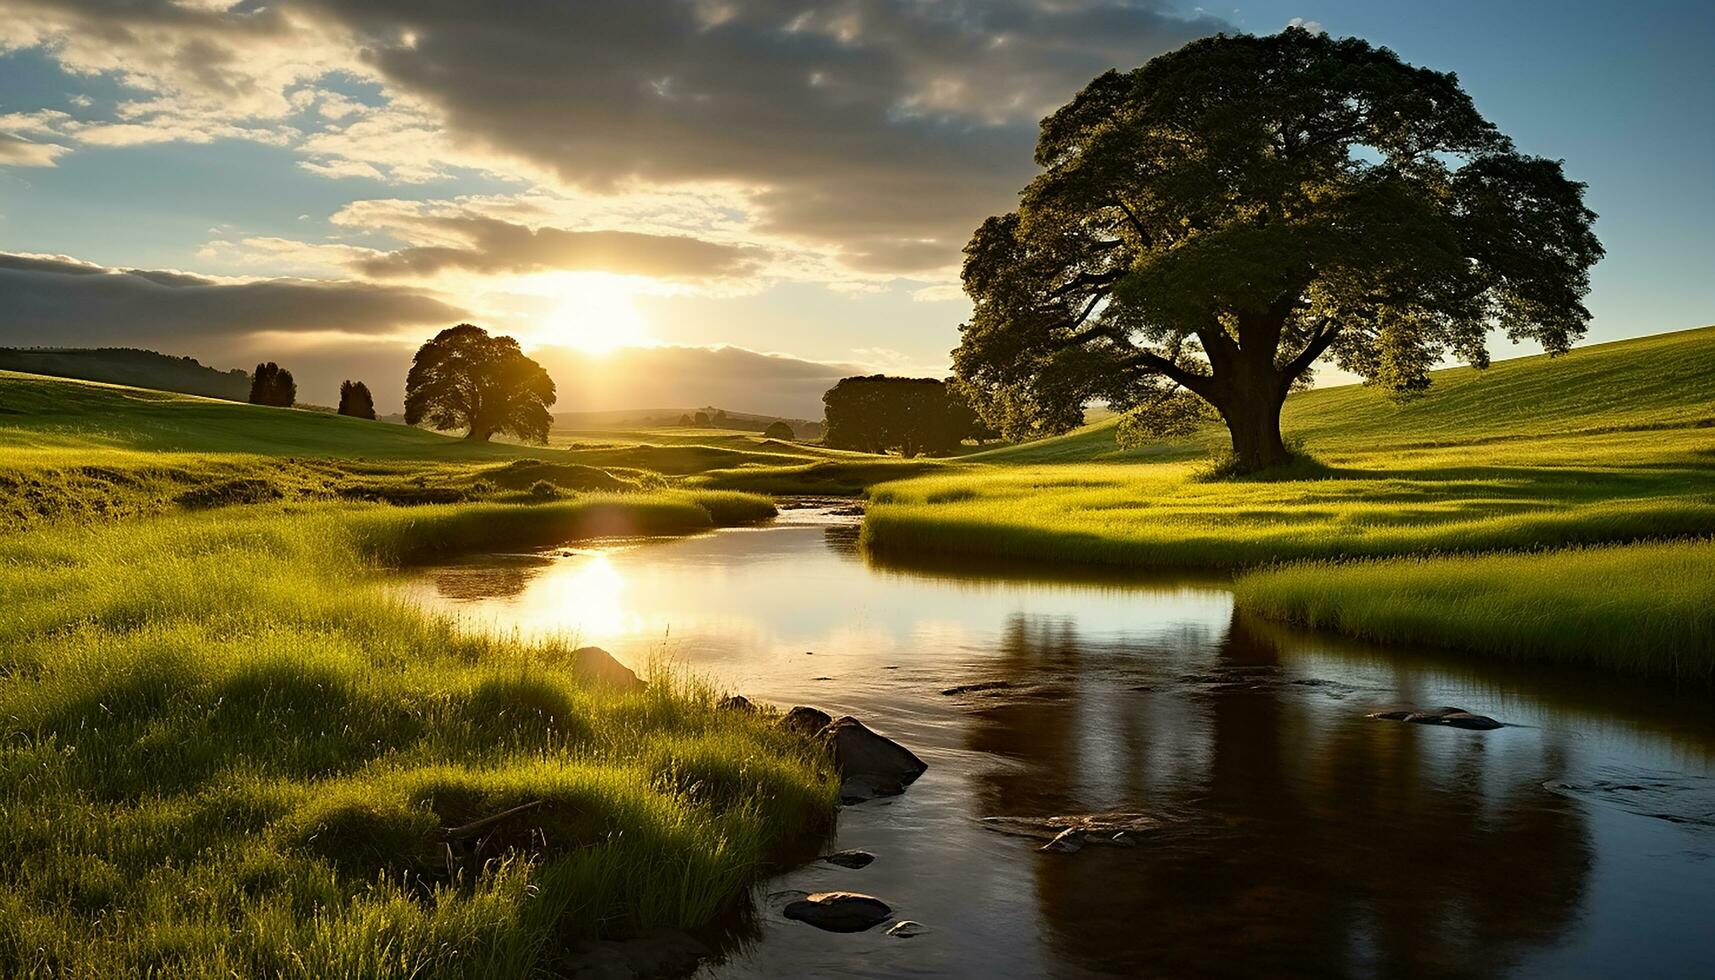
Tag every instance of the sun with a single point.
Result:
(594, 313)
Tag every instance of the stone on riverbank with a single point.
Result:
(870, 765)
(839, 911)
(597, 667)
(805, 720)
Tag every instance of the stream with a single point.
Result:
(1298, 837)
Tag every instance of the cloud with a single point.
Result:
(488, 245)
(72, 302)
(18, 150)
(882, 130)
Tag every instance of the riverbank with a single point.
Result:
(1644, 609)
(228, 750)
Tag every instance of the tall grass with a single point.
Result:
(1646, 609)
(225, 747)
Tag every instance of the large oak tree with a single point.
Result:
(1208, 226)
(465, 379)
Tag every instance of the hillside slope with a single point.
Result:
(1662, 381)
(129, 366)
(60, 413)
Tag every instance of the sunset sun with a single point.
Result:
(594, 312)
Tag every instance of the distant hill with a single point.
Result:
(661, 418)
(129, 366)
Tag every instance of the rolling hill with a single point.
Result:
(1657, 382)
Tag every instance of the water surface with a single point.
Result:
(1298, 837)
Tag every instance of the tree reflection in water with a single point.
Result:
(1303, 839)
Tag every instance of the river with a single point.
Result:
(1299, 838)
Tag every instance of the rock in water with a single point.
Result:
(736, 702)
(596, 667)
(1445, 716)
(849, 859)
(839, 911)
(870, 765)
(805, 720)
(905, 929)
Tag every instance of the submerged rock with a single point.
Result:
(976, 688)
(905, 929)
(1448, 717)
(870, 765)
(596, 666)
(839, 911)
(849, 859)
(1072, 832)
(805, 720)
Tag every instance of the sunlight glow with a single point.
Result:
(588, 602)
(594, 313)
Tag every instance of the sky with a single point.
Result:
(686, 202)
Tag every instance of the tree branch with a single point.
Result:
(1324, 335)
(1198, 384)
(1136, 224)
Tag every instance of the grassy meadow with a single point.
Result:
(230, 751)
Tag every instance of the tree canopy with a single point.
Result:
(272, 384)
(778, 429)
(355, 400)
(1208, 226)
(466, 379)
(911, 416)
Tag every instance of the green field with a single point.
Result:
(1609, 443)
(229, 750)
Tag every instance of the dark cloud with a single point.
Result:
(54, 299)
(498, 246)
(888, 128)
(877, 125)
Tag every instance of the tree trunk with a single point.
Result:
(477, 435)
(1253, 418)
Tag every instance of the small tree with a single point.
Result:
(685, 420)
(355, 400)
(465, 379)
(701, 418)
(778, 429)
(878, 414)
(1208, 226)
(272, 384)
